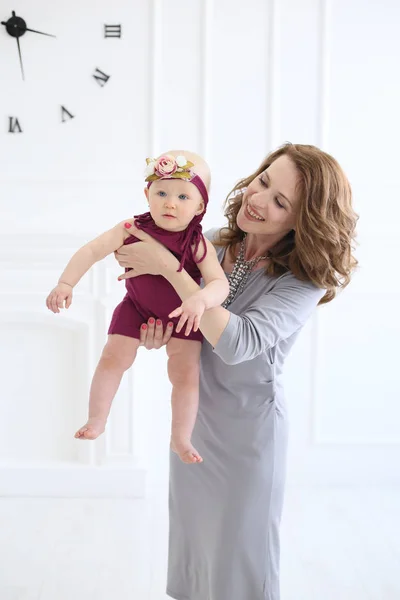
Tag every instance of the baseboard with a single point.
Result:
(72, 481)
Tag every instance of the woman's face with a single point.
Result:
(270, 202)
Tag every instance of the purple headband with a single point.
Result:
(196, 180)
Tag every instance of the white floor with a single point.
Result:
(337, 545)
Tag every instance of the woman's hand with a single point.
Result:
(191, 310)
(147, 257)
(152, 334)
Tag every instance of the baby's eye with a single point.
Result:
(183, 197)
(161, 193)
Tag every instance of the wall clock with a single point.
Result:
(74, 100)
(16, 27)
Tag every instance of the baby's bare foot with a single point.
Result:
(186, 452)
(92, 429)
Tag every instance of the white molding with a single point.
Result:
(72, 481)
(155, 32)
(318, 368)
(313, 379)
(273, 82)
(102, 464)
(320, 440)
(207, 73)
(324, 71)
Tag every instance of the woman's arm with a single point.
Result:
(274, 316)
(92, 252)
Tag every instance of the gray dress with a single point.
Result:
(225, 513)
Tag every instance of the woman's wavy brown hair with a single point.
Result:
(320, 249)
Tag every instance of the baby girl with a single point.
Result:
(177, 194)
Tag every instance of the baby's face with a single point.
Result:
(174, 203)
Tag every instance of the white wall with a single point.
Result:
(232, 81)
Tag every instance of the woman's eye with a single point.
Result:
(279, 204)
(264, 183)
(183, 197)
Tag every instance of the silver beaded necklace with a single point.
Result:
(240, 273)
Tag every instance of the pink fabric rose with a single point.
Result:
(165, 165)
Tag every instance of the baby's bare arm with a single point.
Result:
(216, 287)
(92, 252)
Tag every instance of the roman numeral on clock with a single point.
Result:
(66, 115)
(101, 77)
(112, 31)
(13, 125)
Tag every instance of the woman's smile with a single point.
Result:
(251, 214)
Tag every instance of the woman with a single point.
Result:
(287, 247)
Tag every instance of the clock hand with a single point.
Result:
(16, 26)
(41, 32)
(20, 59)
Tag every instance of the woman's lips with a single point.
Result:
(250, 217)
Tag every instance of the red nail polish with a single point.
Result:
(170, 324)
(128, 225)
(144, 326)
(158, 322)
(151, 321)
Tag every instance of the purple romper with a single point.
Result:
(152, 295)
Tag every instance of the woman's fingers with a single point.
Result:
(168, 332)
(152, 335)
(149, 341)
(143, 335)
(127, 275)
(131, 228)
(158, 334)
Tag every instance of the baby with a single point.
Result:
(177, 194)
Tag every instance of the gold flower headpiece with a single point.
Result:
(168, 167)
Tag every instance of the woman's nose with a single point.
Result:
(259, 198)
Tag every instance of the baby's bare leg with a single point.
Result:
(183, 371)
(117, 356)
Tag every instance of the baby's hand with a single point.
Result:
(55, 300)
(190, 312)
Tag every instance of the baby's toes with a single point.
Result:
(80, 432)
(90, 434)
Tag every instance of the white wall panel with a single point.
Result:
(47, 361)
(231, 81)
